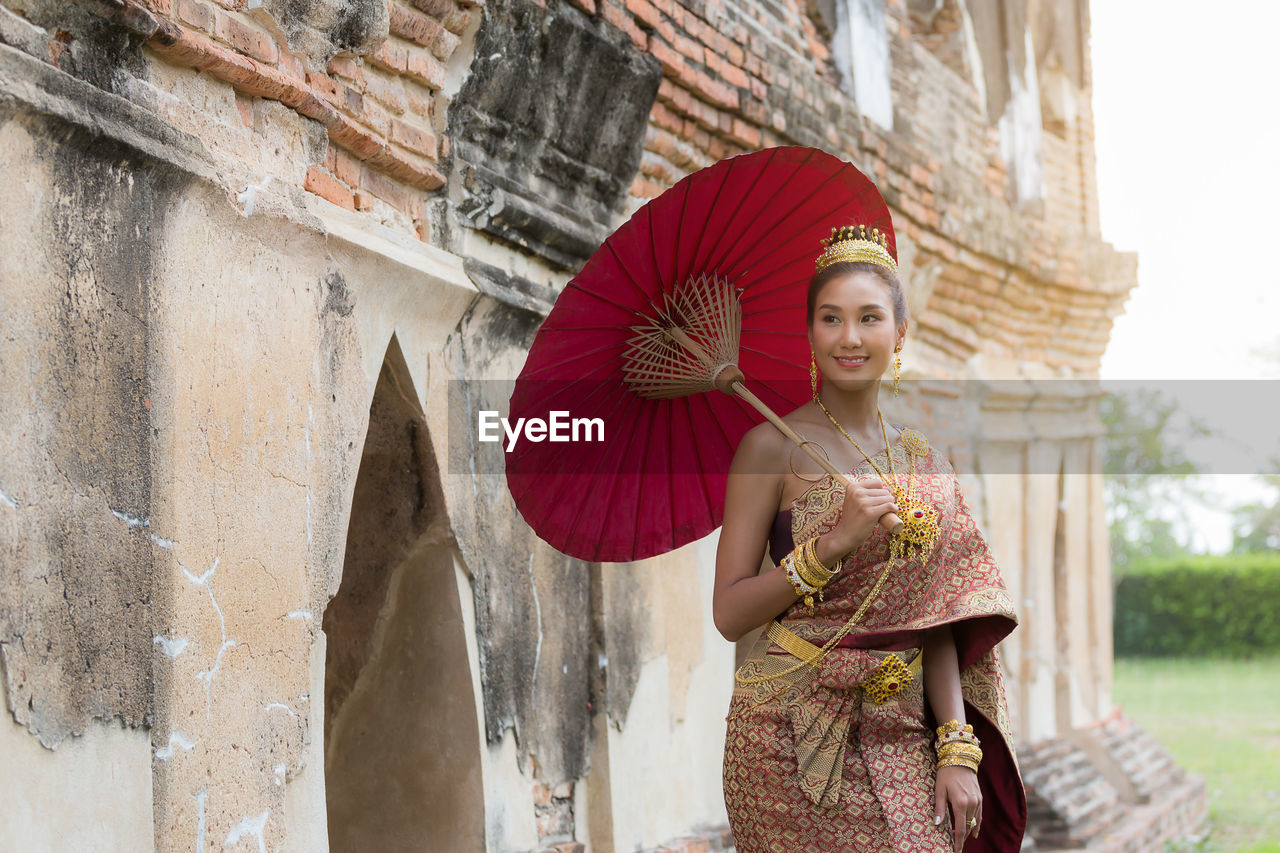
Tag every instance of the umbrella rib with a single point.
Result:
(818, 189)
(671, 476)
(580, 459)
(741, 201)
(675, 272)
(727, 169)
(797, 205)
(702, 483)
(771, 356)
(605, 299)
(576, 357)
(648, 439)
(716, 420)
(782, 186)
(786, 263)
(613, 483)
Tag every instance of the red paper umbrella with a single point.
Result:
(711, 274)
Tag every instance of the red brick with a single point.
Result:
(328, 188)
(324, 85)
(389, 93)
(348, 69)
(345, 167)
(426, 31)
(414, 138)
(291, 65)
(388, 190)
(376, 119)
(715, 91)
(755, 112)
(245, 38)
(196, 14)
(588, 6)
(664, 118)
(747, 134)
(457, 21)
(407, 168)
(418, 98)
(690, 48)
(426, 68)
(619, 17)
(391, 57)
(355, 138)
(434, 8)
(733, 75)
(642, 187)
(649, 14)
(317, 108)
(672, 62)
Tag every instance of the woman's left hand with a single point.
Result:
(958, 795)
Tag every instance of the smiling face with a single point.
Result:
(853, 332)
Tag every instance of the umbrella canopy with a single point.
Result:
(655, 479)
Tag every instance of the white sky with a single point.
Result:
(1188, 147)
(1188, 144)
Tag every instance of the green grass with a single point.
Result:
(1221, 721)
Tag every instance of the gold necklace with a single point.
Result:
(893, 479)
(920, 530)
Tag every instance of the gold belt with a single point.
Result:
(880, 686)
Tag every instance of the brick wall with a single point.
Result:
(737, 75)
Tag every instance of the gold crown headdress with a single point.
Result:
(852, 244)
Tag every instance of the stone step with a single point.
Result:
(1073, 805)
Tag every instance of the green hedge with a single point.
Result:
(1199, 606)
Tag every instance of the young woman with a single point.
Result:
(870, 716)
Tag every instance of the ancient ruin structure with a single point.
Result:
(261, 261)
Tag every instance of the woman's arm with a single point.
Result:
(744, 598)
(957, 790)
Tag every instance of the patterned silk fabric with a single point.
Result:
(820, 767)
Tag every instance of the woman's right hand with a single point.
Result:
(865, 501)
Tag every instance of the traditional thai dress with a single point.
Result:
(823, 767)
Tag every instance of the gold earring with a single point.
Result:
(897, 365)
(813, 374)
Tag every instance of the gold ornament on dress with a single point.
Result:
(889, 678)
(919, 532)
(854, 244)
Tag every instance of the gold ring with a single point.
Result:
(971, 823)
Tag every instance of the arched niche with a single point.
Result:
(402, 748)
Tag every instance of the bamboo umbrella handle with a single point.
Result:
(889, 520)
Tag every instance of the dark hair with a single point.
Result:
(820, 280)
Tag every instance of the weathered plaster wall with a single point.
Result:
(104, 772)
(676, 697)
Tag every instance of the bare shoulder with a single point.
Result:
(760, 450)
